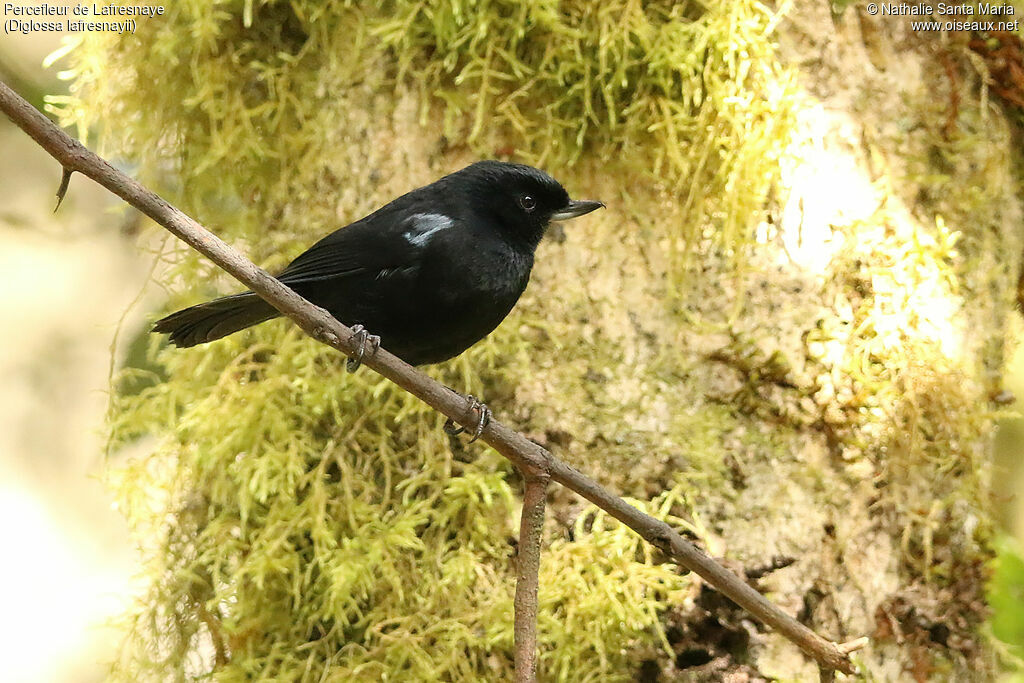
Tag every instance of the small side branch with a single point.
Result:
(527, 576)
(65, 180)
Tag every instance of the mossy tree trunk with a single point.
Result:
(782, 336)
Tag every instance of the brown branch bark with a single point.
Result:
(530, 458)
(527, 576)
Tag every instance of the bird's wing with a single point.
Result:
(375, 245)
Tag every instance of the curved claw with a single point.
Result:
(361, 337)
(483, 418)
(482, 421)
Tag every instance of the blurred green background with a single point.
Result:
(68, 279)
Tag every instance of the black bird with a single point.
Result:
(430, 274)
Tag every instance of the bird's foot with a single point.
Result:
(483, 414)
(363, 338)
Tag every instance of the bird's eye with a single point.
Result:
(528, 203)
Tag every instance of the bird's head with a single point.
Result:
(522, 199)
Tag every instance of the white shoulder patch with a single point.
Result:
(424, 226)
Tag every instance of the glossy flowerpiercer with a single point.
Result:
(429, 274)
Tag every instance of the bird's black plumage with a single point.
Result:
(431, 273)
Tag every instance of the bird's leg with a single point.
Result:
(361, 336)
(483, 414)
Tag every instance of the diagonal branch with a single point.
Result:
(529, 457)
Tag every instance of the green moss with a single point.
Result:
(234, 99)
(905, 401)
(907, 359)
(302, 523)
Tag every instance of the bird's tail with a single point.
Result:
(215, 319)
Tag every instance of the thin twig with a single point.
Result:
(65, 180)
(527, 576)
(526, 455)
(220, 649)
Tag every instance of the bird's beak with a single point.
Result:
(577, 207)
